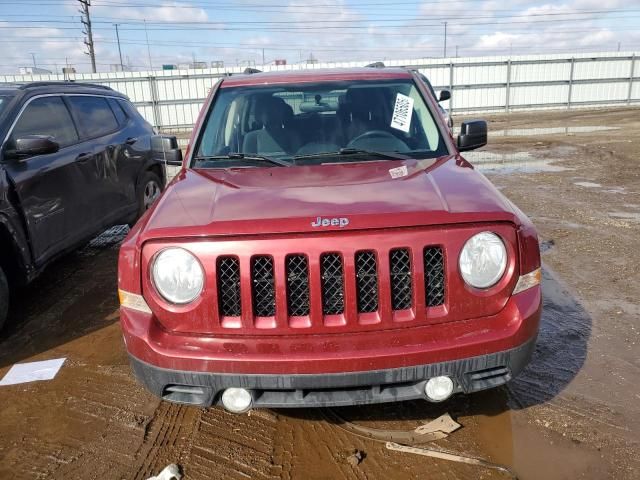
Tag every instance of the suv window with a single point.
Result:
(47, 116)
(94, 116)
(120, 114)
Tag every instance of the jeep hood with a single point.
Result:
(272, 200)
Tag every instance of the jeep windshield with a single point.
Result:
(317, 123)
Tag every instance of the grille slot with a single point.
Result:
(228, 275)
(367, 281)
(332, 273)
(400, 268)
(263, 290)
(434, 276)
(297, 267)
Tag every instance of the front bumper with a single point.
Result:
(335, 389)
(336, 369)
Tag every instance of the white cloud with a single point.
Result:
(165, 12)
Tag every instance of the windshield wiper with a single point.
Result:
(343, 152)
(243, 156)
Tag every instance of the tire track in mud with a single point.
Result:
(166, 438)
(234, 446)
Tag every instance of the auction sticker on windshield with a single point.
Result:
(401, 119)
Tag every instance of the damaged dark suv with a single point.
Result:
(75, 160)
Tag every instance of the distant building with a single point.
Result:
(34, 71)
(281, 61)
(68, 70)
(217, 64)
(198, 65)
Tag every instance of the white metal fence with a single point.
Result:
(172, 99)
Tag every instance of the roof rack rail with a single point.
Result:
(375, 65)
(251, 70)
(65, 83)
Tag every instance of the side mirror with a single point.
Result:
(32, 145)
(444, 95)
(165, 149)
(473, 134)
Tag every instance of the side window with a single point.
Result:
(94, 116)
(47, 116)
(120, 114)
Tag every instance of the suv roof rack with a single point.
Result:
(251, 70)
(67, 83)
(375, 65)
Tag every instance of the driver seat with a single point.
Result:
(360, 112)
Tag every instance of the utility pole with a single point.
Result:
(456, 51)
(33, 55)
(263, 54)
(148, 47)
(88, 41)
(119, 49)
(445, 40)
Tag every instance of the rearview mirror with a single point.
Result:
(32, 145)
(165, 149)
(444, 95)
(473, 134)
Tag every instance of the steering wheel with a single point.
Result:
(379, 140)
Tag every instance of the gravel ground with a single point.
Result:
(574, 413)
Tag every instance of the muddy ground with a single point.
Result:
(574, 413)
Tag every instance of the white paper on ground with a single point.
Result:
(32, 372)
(402, 111)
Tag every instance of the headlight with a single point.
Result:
(483, 260)
(177, 275)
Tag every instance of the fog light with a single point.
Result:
(237, 400)
(439, 388)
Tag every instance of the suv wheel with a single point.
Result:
(4, 298)
(149, 189)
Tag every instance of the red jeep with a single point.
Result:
(326, 244)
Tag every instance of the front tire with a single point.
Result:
(149, 189)
(4, 298)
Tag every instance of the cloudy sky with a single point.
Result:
(241, 31)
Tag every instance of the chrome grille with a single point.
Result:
(297, 268)
(332, 284)
(228, 273)
(400, 270)
(263, 292)
(434, 276)
(367, 281)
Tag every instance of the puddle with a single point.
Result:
(518, 162)
(530, 132)
(547, 245)
(588, 184)
(626, 215)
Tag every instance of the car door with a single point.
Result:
(135, 148)
(100, 131)
(49, 187)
